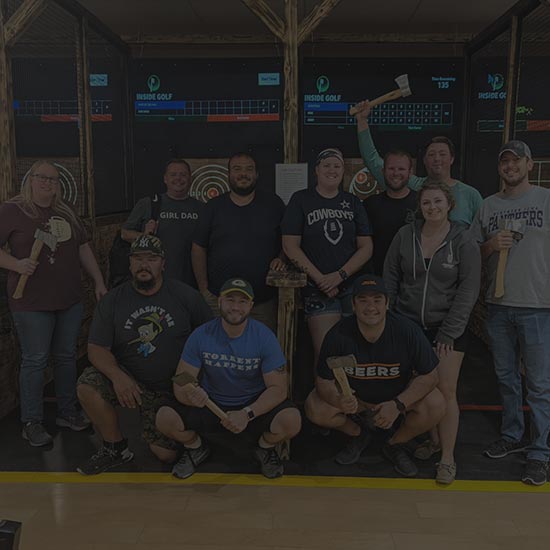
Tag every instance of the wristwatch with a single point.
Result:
(400, 405)
(249, 412)
(343, 274)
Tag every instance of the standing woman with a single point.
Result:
(432, 272)
(326, 234)
(48, 315)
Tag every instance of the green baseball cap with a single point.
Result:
(147, 243)
(237, 285)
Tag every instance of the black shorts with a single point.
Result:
(204, 421)
(460, 344)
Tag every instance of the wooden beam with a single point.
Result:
(20, 21)
(312, 20)
(7, 126)
(269, 18)
(291, 82)
(512, 81)
(85, 115)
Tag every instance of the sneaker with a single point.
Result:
(426, 450)
(446, 473)
(185, 466)
(402, 462)
(352, 451)
(270, 462)
(76, 422)
(502, 447)
(36, 434)
(105, 459)
(535, 472)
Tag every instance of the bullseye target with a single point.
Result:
(209, 181)
(361, 185)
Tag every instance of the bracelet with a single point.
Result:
(343, 274)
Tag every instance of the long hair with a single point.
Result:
(25, 203)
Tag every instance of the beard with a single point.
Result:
(144, 285)
(397, 187)
(243, 191)
(233, 320)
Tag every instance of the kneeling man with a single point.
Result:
(241, 367)
(394, 379)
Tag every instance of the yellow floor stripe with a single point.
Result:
(286, 481)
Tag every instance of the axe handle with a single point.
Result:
(501, 267)
(390, 96)
(35, 252)
(340, 375)
(216, 410)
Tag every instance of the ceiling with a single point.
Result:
(138, 19)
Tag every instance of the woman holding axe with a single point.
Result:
(432, 272)
(48, 244)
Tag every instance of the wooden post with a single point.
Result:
(25, 15)
(317, 14)
(85, 119)
(291, 82)
(512, 81)
(7, 126)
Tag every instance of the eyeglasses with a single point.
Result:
(42, 178)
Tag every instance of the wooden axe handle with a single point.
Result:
(35, 252)
(343, 381)
(501, 268)
(216, 410)
(390, 96)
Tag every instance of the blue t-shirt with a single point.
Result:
(232, 369)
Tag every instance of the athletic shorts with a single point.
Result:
(321, 304)
(204, 421)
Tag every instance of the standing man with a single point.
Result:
(394, 379)
(241, 367)
(136, 337)
(438, 159)
(389, 211)
(239, 235)
(517, 219)
(178, 213)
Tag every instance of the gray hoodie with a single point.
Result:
(441, 295)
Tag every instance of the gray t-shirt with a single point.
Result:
(177, 221)
(526, 282)
(146, 334)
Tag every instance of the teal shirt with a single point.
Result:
(468, 199)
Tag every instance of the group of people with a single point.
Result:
(189, 338)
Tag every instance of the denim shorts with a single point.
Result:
(321, 304)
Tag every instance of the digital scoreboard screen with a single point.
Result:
(330, 87)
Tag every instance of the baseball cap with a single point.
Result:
(369, 283)
(237, 285)
(328, 153)
(518, 148)
(147, 243)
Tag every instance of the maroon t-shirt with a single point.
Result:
(56, 283)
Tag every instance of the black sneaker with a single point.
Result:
(352, 451)
(535, 472)
(105, 459)
(75, 422)
(401, 461)
(185, 466)
(36, 434)
(270, 462)
(502, 447)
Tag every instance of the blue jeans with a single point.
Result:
(525, 332)
(41, 333)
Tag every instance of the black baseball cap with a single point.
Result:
(147, 243)
(237, 285)
(369, 283)
(517, 147)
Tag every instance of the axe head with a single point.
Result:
(184, 378)
(517, 227)
(403, 82)
(47, 238)
(342, 362)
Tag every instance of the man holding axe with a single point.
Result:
(386, 370)
(513, 228)
(243, 386)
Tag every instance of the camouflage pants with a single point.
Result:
(150, 401)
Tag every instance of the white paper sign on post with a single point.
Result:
(290, 178)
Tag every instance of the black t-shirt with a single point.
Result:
(387, 216)
(329, 227)
(385, 367)
(177, 220)
(146, 334)
(241, 241)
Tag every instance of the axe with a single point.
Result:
(404, 90)
(337, 365)
(41, 238)
(516, 227)
(184, 378)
